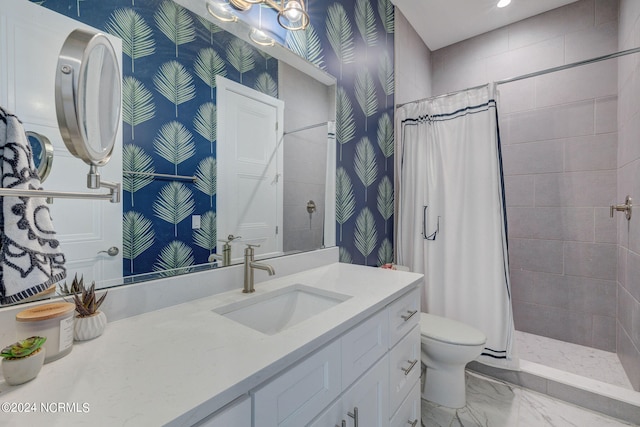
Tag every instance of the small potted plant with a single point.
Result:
(75, 286)
(22, 361)
(90, 321)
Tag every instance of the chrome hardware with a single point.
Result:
(344, 424)
(162, 175)
(226, 251)
(409, 315)
(112, 251)
(249, 265)
(354, 415)
(413, 423)
(113, 195)
(626, 208)
(407, 370)
(311, 206)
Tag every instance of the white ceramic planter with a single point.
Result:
(19, 371)
(87, 328)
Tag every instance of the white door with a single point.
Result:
(30, 39)
(249, 158)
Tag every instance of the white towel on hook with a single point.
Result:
(30, 257)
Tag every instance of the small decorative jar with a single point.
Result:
(53, 321)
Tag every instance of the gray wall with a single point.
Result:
(307, 102)
(413, 62)
(559, 137)
(629, 183)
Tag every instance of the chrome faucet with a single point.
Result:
(249, 265)
(226, 251)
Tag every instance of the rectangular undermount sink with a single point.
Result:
(283, 308)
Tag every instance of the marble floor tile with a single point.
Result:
(492, 403)
(585, 361)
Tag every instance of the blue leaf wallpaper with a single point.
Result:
(170, 59)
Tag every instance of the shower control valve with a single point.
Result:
(626, 208)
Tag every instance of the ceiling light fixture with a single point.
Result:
(292, 14)
(258, 35)
(221, 10)
(504, 3)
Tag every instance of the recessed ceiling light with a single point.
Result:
(504, 3)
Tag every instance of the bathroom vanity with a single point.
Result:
(357, 356)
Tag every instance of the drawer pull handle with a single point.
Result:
(413, 423)
(409, 315)
(407, 370)
(354, 415)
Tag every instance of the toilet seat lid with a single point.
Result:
(450, 331)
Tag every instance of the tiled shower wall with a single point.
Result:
(559, 137)
(628, 326)
(305, 157)
(413, 63)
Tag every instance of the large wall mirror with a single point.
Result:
(167, 159)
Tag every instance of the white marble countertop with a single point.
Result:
(176, 365)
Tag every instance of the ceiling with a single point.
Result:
(443, 22)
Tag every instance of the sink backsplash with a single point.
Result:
(139, 298)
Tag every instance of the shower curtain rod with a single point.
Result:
(317, 125)
(536, 73)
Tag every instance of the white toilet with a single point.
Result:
(447, 347)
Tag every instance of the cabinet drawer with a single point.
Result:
(369, 394)
(363, 345)
(404, 368)
(404, 314)
(296, 396)
(409, 413)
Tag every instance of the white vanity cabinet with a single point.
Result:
(365, 403)
(367, 377)
(404, 360)
(404, 368)
(296, 396)
(236, 414)
(408, 415)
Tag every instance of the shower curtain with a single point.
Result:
(451, 213)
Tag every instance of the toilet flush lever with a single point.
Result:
(626, 208)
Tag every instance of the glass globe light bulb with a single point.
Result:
(293, 11)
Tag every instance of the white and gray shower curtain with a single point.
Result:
(451, 214)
